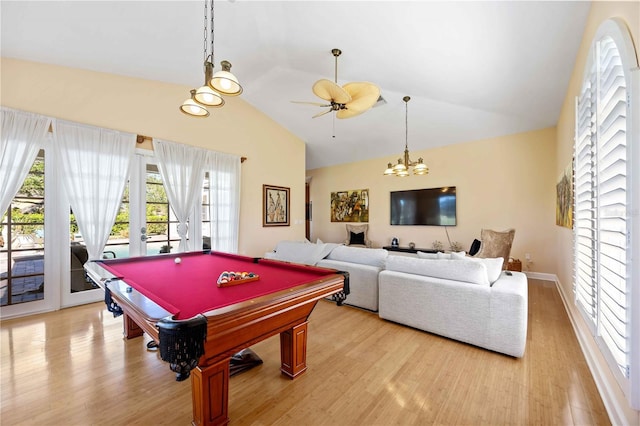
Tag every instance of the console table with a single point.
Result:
(409, 250)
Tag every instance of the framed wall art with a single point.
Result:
(275, 205)
(564, 198)
(350, 206)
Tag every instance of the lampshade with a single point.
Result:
(225, 82)
(399, 167)
(389, 170)
(192, 108)
(205, 95)
(420, 168)
(208, 97)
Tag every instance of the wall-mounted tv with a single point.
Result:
(430, 206)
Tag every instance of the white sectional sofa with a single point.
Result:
(466, 299)
(363, 265)
(454, 298)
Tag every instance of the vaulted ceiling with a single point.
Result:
(473, 69)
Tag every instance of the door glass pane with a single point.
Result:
(22, 241)
(160, 220)
(206, 213)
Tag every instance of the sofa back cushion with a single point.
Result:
(300, 252)
(361, 255)
(464, 270)
(494, 265)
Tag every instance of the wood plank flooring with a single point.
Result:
(72, 367)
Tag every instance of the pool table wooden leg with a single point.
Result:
(293, 350)
(131, 328)
(210, 394)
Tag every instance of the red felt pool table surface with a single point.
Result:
(189, 288)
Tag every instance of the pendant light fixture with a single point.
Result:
(221, 83)
(402, 168)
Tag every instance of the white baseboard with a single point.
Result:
(542, 276)
(612, 404)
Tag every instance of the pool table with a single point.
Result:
(156, 294)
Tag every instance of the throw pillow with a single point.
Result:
(356, 238)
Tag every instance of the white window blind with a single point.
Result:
(602, 281)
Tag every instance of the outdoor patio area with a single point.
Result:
(24, 289)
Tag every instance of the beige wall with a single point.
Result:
(600, 11)
(151, 108)
(506, 182)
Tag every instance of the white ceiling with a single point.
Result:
(473, 69)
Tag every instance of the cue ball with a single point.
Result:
(177, 260)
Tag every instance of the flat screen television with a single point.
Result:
(430, 206)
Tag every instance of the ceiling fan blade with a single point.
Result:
(364, 96)
(322, 113)
(330, 91)
(312, 103)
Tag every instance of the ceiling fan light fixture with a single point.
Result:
(225, 82)
(347, 101)
(192, 108)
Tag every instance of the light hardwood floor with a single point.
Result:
(72, 367)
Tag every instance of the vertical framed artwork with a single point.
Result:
(350, 206)
(275, 205)
(564, 198)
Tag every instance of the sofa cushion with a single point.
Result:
(425, 255)
(300, 252)
(442, 255)
(361, 255)
(464, 270)
(494, 266)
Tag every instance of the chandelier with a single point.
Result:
(215, 85)
(402, 168)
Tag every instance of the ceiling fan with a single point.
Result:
(349, 100)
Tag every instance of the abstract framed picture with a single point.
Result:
(564, 198)
(275, 205)
(350, 206)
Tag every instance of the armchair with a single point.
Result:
(496, 244)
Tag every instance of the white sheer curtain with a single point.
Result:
(94, 167)
(23, 134)
(224, 173)
(182, 170)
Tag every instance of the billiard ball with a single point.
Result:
(177, 260)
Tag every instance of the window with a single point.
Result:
(603, 281)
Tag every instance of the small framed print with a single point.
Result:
(275, 205)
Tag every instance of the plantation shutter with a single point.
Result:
(585, 272)
(601, 199)
(612, 202)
